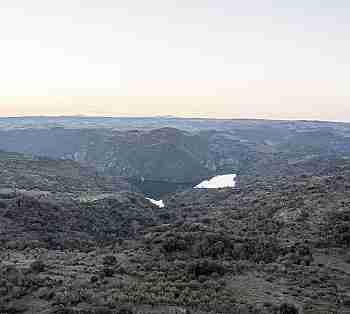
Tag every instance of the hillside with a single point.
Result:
(78, 235)
(25, 172)
(262, 248)
(178, 153)
(74, 223)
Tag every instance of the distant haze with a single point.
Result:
(225, 58)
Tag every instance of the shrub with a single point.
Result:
(205, 268)
(107, 272)
(109, 260)
(286, 308)
(37, 267)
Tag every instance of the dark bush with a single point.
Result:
(93, 279)
(37, 266)
(175, 244)
(107, 272)
(286, 308)
(109, 260)
(205, 268)
(125, 310)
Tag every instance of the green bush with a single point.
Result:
(176, 288)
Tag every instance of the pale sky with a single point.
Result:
(216, 58)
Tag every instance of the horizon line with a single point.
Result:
(82, 116)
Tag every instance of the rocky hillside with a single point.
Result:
(78, 236)
(75, 223)
(262, 248)
(293, 210)
(24, 172)
(57, 201)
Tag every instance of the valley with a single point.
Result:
(81, 232)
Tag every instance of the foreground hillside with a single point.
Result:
(262, 248)
(63, 204)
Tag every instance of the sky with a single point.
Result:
(278, 59)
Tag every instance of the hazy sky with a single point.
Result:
(219, 58)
